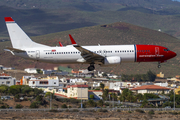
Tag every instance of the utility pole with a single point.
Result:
(174, 98)
(50, 98)
(81, 97)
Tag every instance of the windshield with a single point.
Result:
(166, 50)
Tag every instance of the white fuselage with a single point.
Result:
(69, 54)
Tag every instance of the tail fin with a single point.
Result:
(19, 38)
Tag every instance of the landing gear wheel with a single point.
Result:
(91, 68)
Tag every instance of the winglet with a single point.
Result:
(72, 40)
(8, 19)
(60, 44)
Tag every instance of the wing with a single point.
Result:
(88, 55)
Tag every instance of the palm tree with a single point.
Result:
(102, 86)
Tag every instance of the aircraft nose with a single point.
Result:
(173, 54)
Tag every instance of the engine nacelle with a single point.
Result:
(112, 60)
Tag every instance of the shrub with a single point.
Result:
(64, 106)
(92, 110)
(67, 110)
(100, 103)
(140, 111)
(173, 113)
(102, 110)
(18, 106)
(53, 110)
(34, 105)
(151, 112)
(91, 96)
(118, 110)
(3, 107)
(75, 110)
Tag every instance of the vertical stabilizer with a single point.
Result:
(19, 38)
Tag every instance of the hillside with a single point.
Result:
(89, 4)
(116, 33)
(41, 21)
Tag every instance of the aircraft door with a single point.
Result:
(156, 50)
(37, 54)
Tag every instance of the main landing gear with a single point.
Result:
(91, 67)
(159, 65)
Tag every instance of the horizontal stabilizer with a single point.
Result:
(14, 49)
(60, 44)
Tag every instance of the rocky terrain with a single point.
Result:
(111, 115)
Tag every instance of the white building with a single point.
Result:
(112, 76)
(1, 67)
(100, 74)
(162, 84)
(44, 82)
(96, 84)
(77, 80)
(31, 70)
(7, 80)
(122, 85)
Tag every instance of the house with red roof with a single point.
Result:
(151, 89)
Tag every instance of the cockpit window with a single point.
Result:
(166, 49)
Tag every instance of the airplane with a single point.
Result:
(103, 55)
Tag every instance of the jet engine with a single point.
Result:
(112, 60)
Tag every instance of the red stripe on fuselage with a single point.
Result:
(152, 53)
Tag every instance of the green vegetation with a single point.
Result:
(91, 96)
(102, 110)
(34, 105)
(39, 71)
(149, 76)
(151, 112)
(64, 106)
(19, 106)
(127, 95)
(139, 110)
(19, 89)
(102, 86)
(64, 69)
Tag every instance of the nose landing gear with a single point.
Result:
(91, 67)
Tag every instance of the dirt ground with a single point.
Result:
(83, 115)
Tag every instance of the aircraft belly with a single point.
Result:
(127, 58)
(61, 59)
